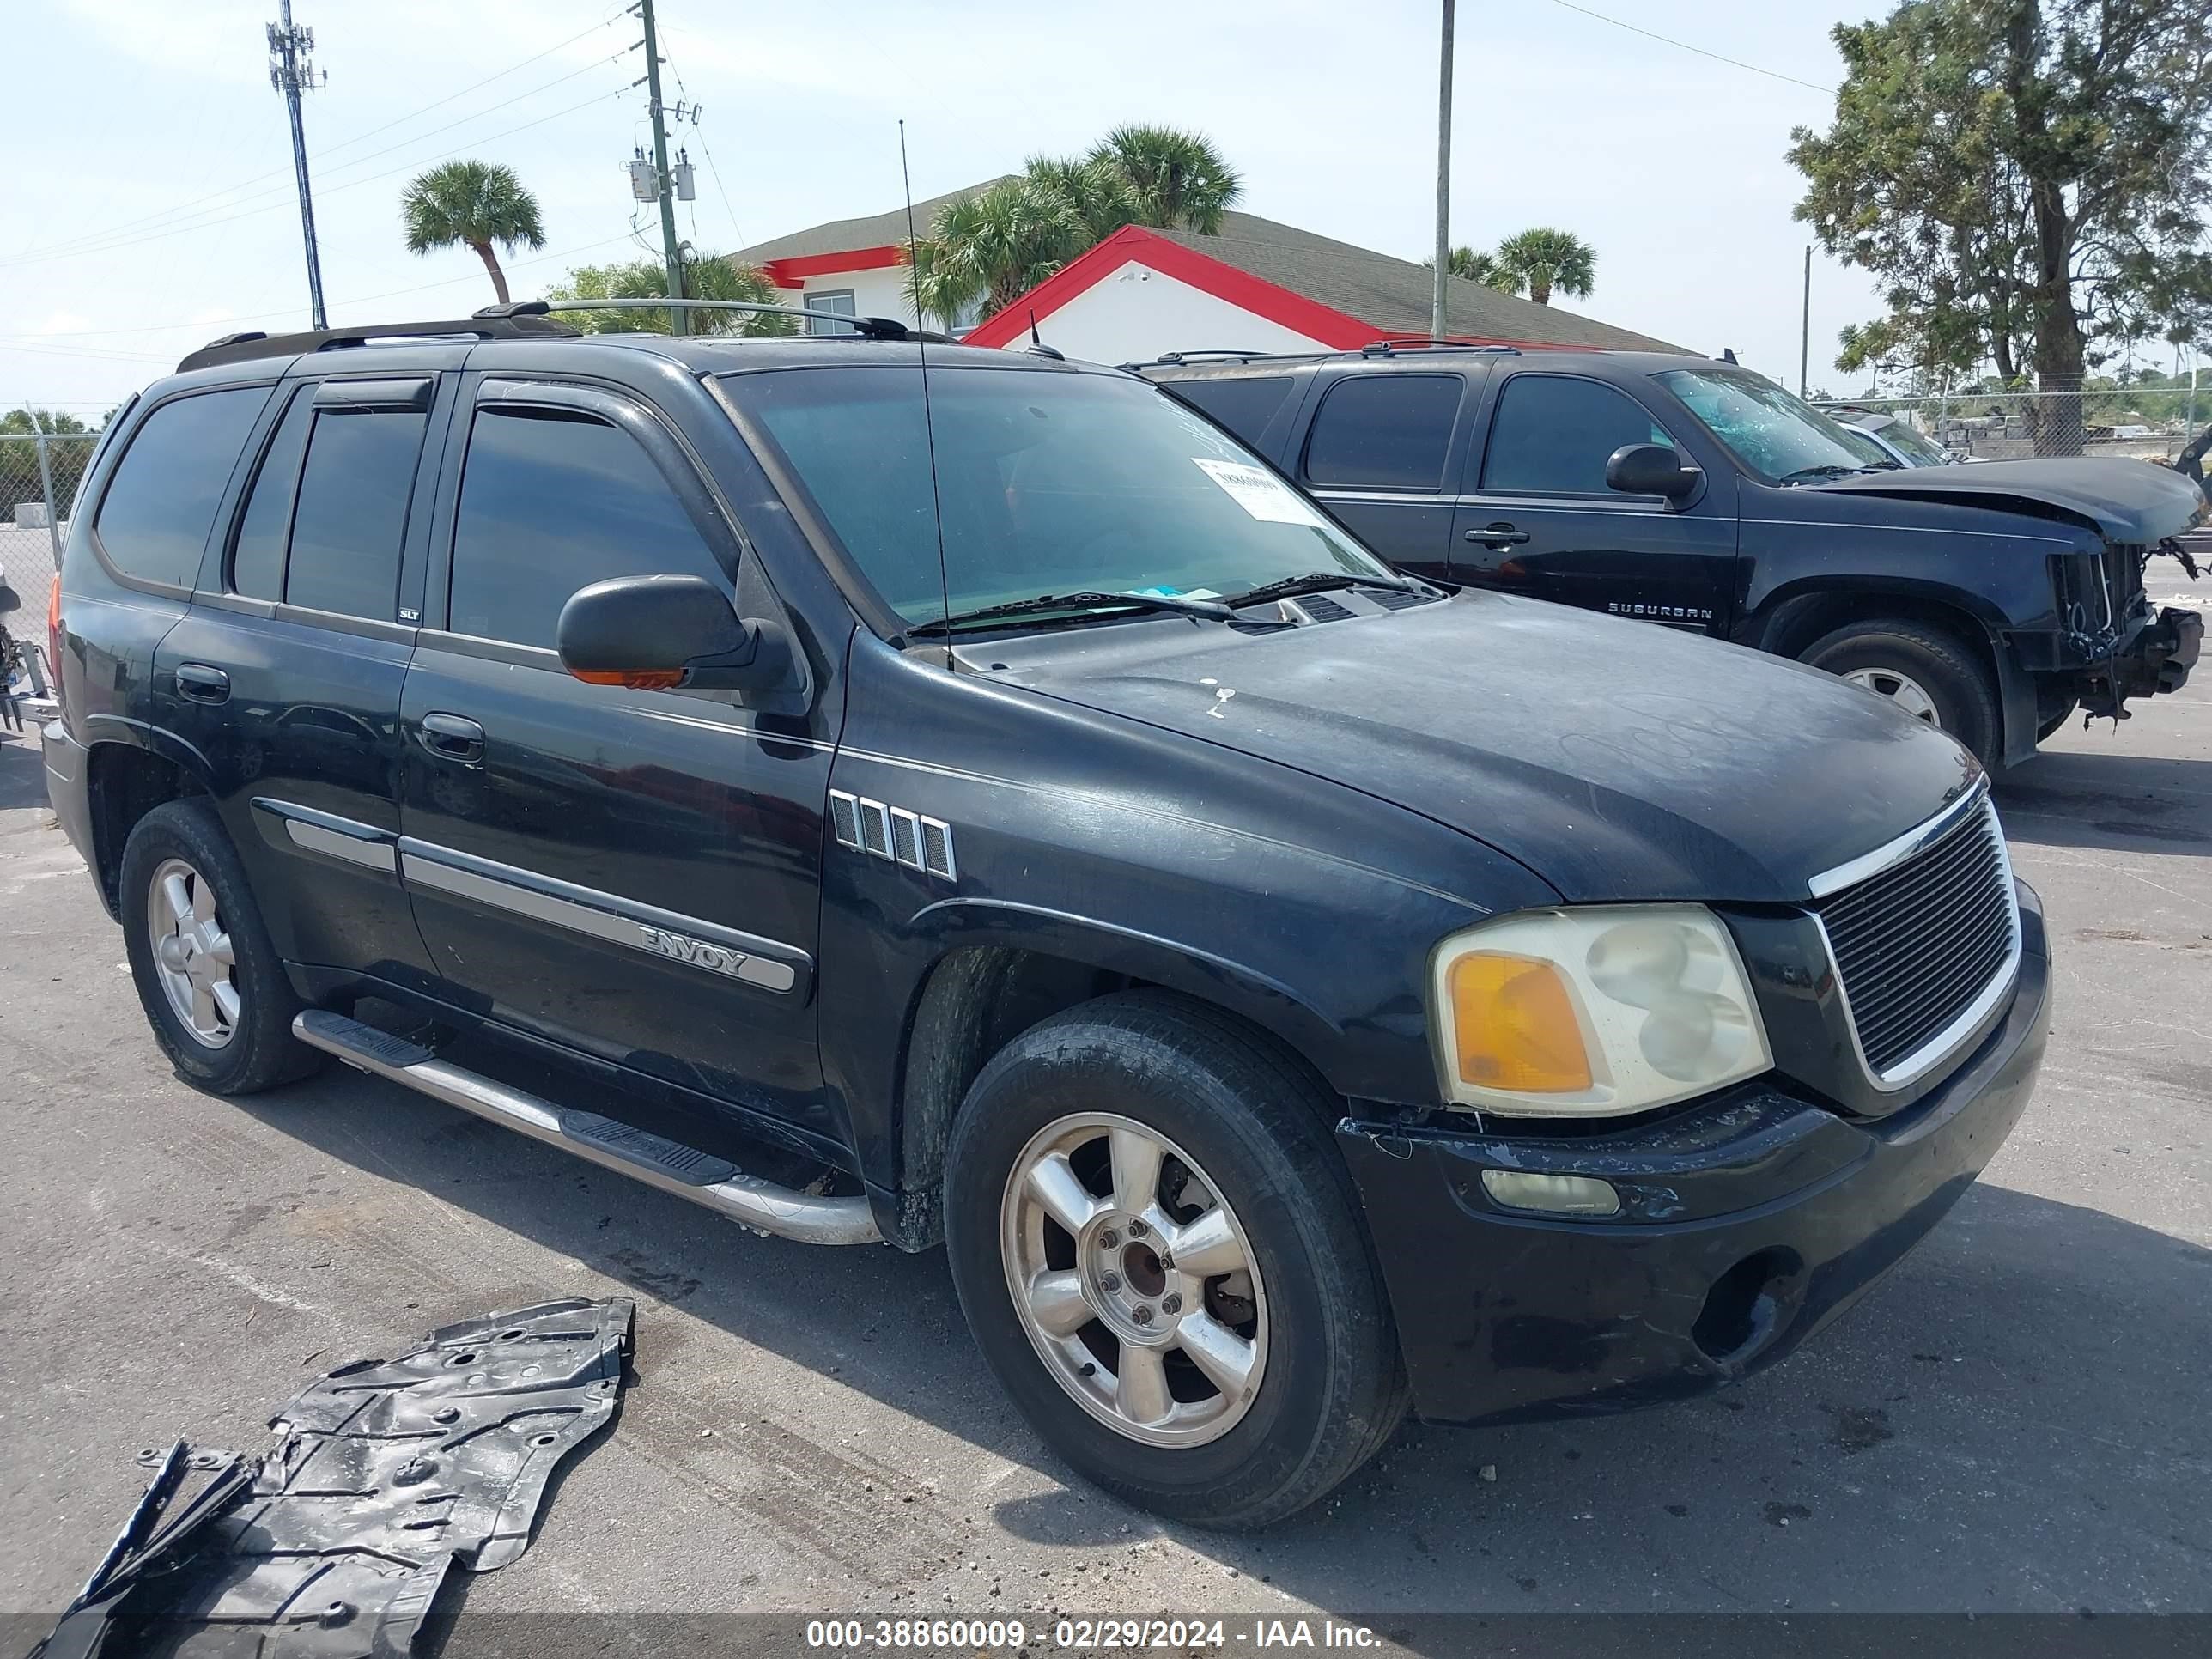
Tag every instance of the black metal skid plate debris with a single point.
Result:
(386, 1473)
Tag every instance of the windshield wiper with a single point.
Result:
(1810, 474)
(1315, 582)
(1045, 602)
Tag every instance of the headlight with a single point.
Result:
(1593, 1013)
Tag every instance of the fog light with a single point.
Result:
(1555, 1194)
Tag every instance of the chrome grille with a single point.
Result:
(1926, 947)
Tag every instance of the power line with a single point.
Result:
(278, 191)
(284, 310)
(184, 208)
(1684, 45)
(349, 183)
(707, 150)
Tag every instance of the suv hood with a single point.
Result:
(1618, 760)
(2130, 501)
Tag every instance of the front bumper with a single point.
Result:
(1746, 1225)
(2161, 657)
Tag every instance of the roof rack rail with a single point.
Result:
(867, 328)
(1391, 347)
(244, 347)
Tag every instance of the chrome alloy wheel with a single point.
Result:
(192, 956)
(1134, 1280)
(1907, 693)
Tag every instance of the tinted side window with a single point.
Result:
(256, 557)
(1552, 434)
(1384, 431)
(1243, 405)
(155, 518)
(352, 511)
(551, 502)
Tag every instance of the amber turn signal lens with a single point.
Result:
(1513, 1025)
(656, 680)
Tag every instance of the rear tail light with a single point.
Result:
(54, 637)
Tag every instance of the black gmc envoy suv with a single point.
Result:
(981, 800)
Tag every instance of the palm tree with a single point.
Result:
(477, 203)
(706, 277)
(1541, 260)
(1472, 264)
(996, 245)
(1180, 180)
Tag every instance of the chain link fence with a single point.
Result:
(39, 477)
(2150, 423)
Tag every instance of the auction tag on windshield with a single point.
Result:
(1259, 493)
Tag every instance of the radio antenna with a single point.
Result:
(928, 421)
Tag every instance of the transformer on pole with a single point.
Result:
(291, 73)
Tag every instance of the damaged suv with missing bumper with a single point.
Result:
(977, 799)
(1991, 601)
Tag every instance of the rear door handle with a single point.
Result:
(197, 682)
(1498, 535)
(452, 737)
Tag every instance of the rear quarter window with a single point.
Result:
(154, 518)
(1243, 404)
(1385, 431)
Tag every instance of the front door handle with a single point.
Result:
(1498, 535)
(197, 682)
(452, 737)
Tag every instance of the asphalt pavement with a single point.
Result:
(2014, 1421)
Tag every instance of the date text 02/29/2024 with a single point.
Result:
(1081, 1636)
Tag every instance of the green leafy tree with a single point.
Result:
(1541, 260)
(2027, 179)
(23, 423)
(474, 203)
(1471, 264)
(998, 244)
(1176, 177)
(19, 462)
(995, 245)
(706, 277)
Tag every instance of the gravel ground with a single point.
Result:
(2013, 1422)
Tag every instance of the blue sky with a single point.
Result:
(150, 202)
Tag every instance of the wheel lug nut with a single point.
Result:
(1136, 1229)
(1109, 1238)
(1171, 1304)
(1143, 1316)
(1111, 1283)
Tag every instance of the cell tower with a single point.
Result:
(291, 74)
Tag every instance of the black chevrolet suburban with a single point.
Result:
(1991, 600)
(882, 790)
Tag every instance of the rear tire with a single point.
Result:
(213, 987)
(1270, 1382)
(1926, 671)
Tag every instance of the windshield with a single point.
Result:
(1048, 482)
(1780, 438)
(1901, 436)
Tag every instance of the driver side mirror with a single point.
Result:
(656, 632)
(1650, 470)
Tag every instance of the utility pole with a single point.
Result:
(1805, 329)
(1443, 178)
(291, 73)
(678, 323)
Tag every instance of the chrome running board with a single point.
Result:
(684, 1170)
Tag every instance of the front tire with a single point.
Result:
(1159, 1253)
(1924, 670)
(212, 985)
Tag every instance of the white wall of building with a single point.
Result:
(879, 293)
(1137, 313)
